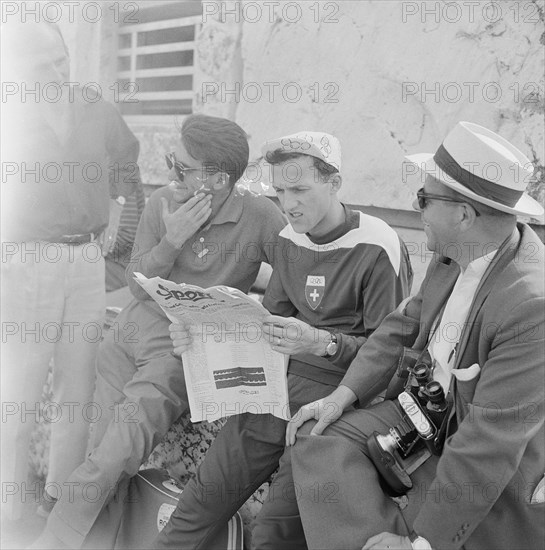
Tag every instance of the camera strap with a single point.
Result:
(439, 439)
(408, 359)
(424, 356)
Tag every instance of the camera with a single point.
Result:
(420, 433)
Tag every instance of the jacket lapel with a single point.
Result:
(435, 296)
(501, 259)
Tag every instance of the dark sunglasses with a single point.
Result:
(179, 168)
(424, 197)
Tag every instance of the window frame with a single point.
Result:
(132, 74)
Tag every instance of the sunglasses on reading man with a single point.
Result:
(424, 197)
(180, 169)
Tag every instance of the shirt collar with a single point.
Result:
(230, 210)
(351, 221)
(478, 266)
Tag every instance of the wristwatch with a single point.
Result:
(332, 347)
(419, 543)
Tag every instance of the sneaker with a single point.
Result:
(46, 505)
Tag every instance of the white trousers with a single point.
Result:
(53, 305)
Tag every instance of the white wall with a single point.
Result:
(371, 52)
(376, 59)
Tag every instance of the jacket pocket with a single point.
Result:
(466, 382)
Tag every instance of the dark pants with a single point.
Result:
(243, 456)
(340, 499)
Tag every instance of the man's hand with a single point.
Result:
(288, 335)
(181, 338)
(185, 221)
(326, 411)
(388, 541)
(108, 237)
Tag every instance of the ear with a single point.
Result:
(335, 181)
(220, 181)
(468, 217)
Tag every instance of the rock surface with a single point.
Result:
(388, 78)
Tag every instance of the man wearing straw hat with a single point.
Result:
(479, 313)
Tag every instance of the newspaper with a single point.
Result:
(230, 367)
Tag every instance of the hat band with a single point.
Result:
(480, 186)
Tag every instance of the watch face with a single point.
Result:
(331, 348)
(420, 543)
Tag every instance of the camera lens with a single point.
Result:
(387, 442)
(435, 392)
(422, 373)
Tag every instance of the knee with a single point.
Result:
(108, 357)
(162, 375)
(279, 527)
(306, 428)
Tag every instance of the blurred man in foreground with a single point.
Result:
(66, 161)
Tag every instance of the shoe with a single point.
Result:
(46, 505)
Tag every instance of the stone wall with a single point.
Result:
(388, 78)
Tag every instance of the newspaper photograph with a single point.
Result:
(230, 367)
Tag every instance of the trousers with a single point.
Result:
(140, 393)
(53, 304)
(341, 502)
(243, 456)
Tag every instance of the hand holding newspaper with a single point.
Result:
(230, 367)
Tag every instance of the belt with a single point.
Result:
(80, 238)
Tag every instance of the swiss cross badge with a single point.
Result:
(314, 290)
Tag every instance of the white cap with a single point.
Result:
(315, 144)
